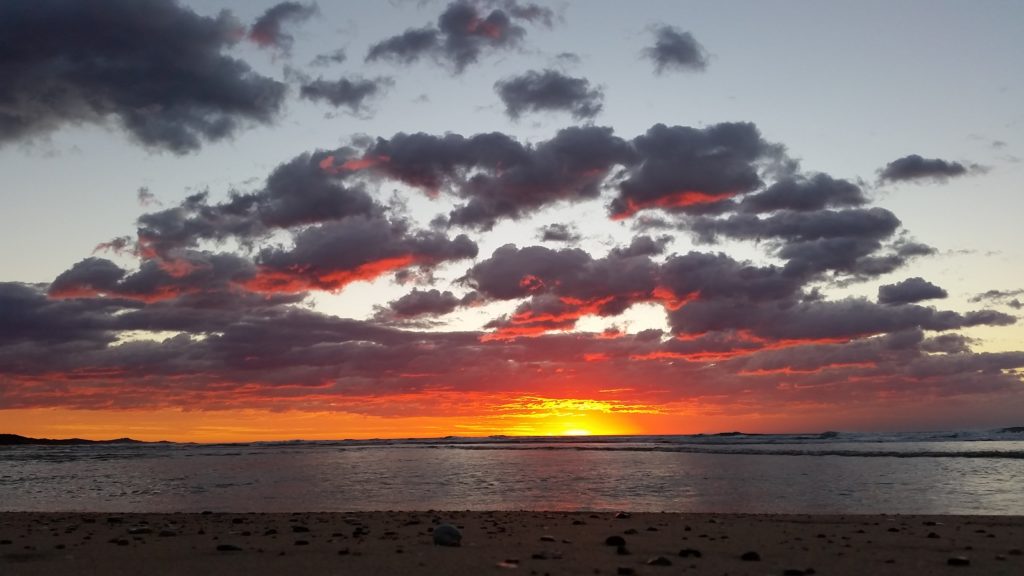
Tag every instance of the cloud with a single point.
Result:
(268, 30)
(804, 194)
(562, 286)
(407, 47)
(643, 245)
(850, 241)
(841, 320)
(675, 49)
(300, 191)
(558, 233)
(686, 168)
(996, 295)
(336, 57)
(146, 197)
(677, 168)
(348, 92)
(417, 303)
(529, 11)
(914, 167)
(498, 176)
(909, 291)
(155, 68)
(549, 90)
(462, 34)
(373, 247)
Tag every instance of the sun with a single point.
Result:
(576, 432)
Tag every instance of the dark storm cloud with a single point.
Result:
(914, 167)
(268, 28)
(332, 255)
(909, 291)
(559, 233)
(348, 92)
(675, 49)
(431, 302)
(298, 192)
(684, 168)
(461, 36)
(156, 68)
(804, 194)
(549, 91)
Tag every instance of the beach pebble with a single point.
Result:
(622, 551)
(623, 515)
(625, 571)
(140, 530)
(299, 529)
(689, 553)
(1015, 552)
(750, 557)
(167, 533)
(228, 548)
(447, 535)
(932, 535)
(659, 561)
(958, 561)
(615, 541)
(547, 539)
(630, 531)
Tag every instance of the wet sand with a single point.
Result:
(534, 543)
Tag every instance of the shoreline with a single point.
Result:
(525, 542)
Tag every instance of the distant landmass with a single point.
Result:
(16, 440)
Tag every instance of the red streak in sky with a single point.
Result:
(303, 279)
(673, 200)
(353, 165)
(816, 370)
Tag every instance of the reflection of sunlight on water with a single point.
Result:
(306, 478)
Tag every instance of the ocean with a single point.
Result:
(842, 473)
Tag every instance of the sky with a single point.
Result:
(233, 221)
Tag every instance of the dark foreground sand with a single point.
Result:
(534, 543)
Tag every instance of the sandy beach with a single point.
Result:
(534, 543)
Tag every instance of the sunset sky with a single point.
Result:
(256, 220)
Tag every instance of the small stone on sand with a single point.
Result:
(447, 535)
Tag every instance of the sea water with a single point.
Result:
(917, 473)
